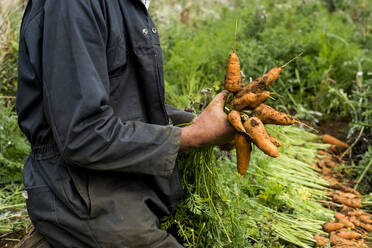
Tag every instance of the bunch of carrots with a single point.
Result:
(248, 113)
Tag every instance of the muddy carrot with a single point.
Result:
(356, 213)
(321, 241)
(236, 121)
(276, 142)
(243, 152)
(346, 234)
(354, 203)
(268, 115)
(344, 220)
(233, 80)
(367, 227)
(256, 130)
(366, 219)
(249, 100)
(337, 240)
(263, 82)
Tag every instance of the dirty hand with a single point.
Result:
(211, 127)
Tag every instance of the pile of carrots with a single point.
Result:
(351, 225)
(248, 113)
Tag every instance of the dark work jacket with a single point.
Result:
(91, 102)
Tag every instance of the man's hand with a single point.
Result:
(211, 127)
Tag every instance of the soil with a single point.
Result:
(5, 243)
(337, 128)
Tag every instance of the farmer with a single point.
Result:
(90, 100)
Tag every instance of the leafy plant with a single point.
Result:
(14, 147)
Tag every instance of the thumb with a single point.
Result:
(220, 98)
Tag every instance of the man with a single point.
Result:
(91, 102)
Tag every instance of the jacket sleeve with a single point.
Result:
(178, 116)
(76, 95)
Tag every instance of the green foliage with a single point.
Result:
(10, 15)
(14, 147)
(12, 210)
(265, 208)
(335, 46)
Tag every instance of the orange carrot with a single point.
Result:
(339, 186)
(321, 241)
(345, 194)
(321, 152)
(249, 100)
(366, 219)
(332, 226)
(276, 142)
(328, 139)
(233, 80)
(261, 83)
(344, 220)
(354, 203)
(367, 227)
(355, 221)
(235, 120)
(256, 130)
(268, 115)
(243, 152)
(346, 234)
(337, 240)
(356, 213)
(330, 163)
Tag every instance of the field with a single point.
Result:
(279, 202)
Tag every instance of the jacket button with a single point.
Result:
(145, 31)
(154, 30)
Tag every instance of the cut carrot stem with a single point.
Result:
(290, 61)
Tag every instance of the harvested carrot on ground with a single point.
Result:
(367, 227)
(268, 115)
(321, 241)
(328, 139)
(344, 194)
(339, 186)
(243, 152)
(330, 163)
(236, 121)
(249, 100)
(346, 234)
(337, 240)
(355, 221)
(366, 219)
(332, 226)
(257, 132)
(344, 220)
(356, 213)
(354, 203)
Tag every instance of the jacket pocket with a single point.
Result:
(72, 191)
(41, 206)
